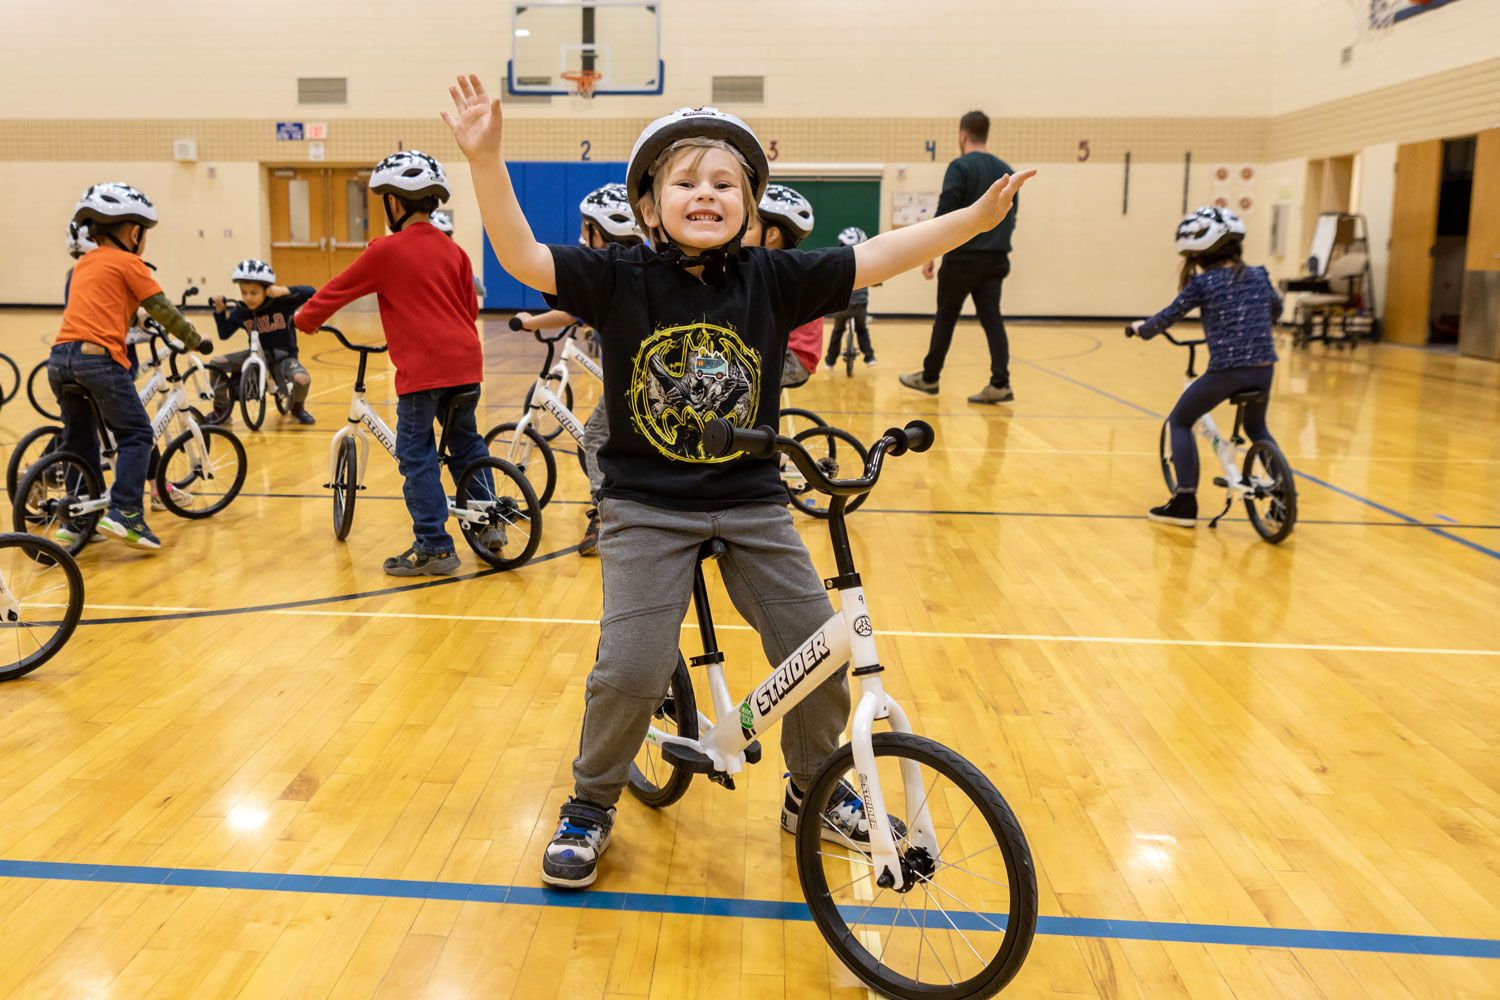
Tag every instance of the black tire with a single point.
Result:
(654, 780)
(511, 508)
(222, 388)
(545, 423)
(1011, 891)
(26, 453)
(40, 393)
(840, 455)
(345, 487)
(10, 381)
(253, 398)
(283, 398)
(37, 566)
(201, 485)
(1164, 447)
(849, 361)
(533, 457)
(1273, 507)
(46, 493)
(794, 420)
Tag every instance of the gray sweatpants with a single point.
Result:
(647, 555)
(595, 432)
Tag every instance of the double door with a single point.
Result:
(321, 218)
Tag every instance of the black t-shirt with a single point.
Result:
(273, 320)
(678, 352)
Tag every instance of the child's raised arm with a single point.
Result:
(476, 128)
(899, 250)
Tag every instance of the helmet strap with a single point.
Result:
(714, 262)
(394, 223)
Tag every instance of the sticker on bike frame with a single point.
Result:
(862, 625)
(747, 719)
(791, 673)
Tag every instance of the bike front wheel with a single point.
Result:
(39, 391)
(1272, 502)
(838, 454)
(46, 588)
(528, 452)
(506, 523)
(198, 480)
(253, 398)
(10, 378)
(345, 487)
(964, 922)
(34, 445)
(653, 779)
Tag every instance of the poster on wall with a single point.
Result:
(910, 207)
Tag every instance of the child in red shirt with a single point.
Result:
(424, 285)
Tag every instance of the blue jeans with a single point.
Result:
(114, 393)
(416, 454)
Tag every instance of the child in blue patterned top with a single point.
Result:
(1238, 306)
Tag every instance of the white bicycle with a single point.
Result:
(197, 474)
(1260, 475)
(495, 507)
(524, 442)
(948, 882)
(41, 601)
(255, 382)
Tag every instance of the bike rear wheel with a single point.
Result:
(965, 921)
(39, 391)
(44, 582)
(653, 779)
(510, 526)
(10, 378)
(839, 455)
(1164, 446)
(49, 492)
(345, 487)
(221, 386)
(1272, 507)
(33, 446)
(530, 453)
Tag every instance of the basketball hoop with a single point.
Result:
(583, 81)
(1373, 18)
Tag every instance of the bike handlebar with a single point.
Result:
(362, 348)
(721, 438)
(1167, 335)
(540, 335)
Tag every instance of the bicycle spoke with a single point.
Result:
(927, 881)
(962, 936)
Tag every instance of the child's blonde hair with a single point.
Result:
(663, 163)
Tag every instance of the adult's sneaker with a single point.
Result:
(129, 527)
(414, 563)
(572, 858)
(993, 394)
(918, 382)
(844, 819)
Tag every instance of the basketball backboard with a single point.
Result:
(618, 39)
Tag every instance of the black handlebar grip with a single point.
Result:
(718, 437)
(919, 436)
(721, 438)
(1130, 329)
(205, 346)
(516, 324)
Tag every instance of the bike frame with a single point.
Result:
(257, 359)
(1225, 449)
(545, 397)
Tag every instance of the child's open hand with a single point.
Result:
(476, 119)
(994, 205)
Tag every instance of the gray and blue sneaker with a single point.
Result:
(843, 821)
(129, 527)
(572, 859)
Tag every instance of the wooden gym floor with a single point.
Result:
(1245, 770)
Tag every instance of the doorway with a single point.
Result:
(1451, 245)
(321, 219)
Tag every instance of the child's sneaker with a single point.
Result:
(1181, 510)
(870, 361)
(156, 503)
(414, 563)
(572, 859)
(70, 534)
(589, 545)
(129, 528)
(845, 816)
(300, 414)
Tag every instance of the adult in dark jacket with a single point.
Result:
(977, 269)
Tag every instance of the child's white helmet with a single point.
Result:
(1208, 230)
(255, 270)
(690, 123)
(78, 240)
(411, 175)
(115, 202)
(786, 206)
(442, 221)
(852, 236)
(608, 207)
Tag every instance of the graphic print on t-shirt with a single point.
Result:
(683, 377)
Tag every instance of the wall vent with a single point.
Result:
(739, 90)
(322, 90)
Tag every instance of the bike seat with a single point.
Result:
(712, 549)
(74, 389)
(460, 401)
(1249, 396)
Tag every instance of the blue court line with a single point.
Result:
(750, 909)
(1415, 522)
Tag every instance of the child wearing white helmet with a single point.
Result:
(267, 308)
(107, 286)
(442, 221)
(857, 313)
(783, 219)
(605, 218)
(694, 327)
(425, 288)
(1239, 306)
